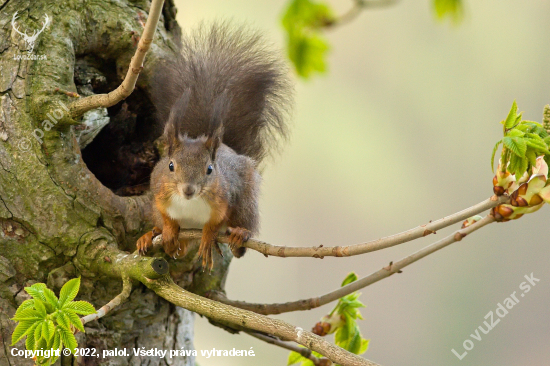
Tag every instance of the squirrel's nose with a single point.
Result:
(189, 191)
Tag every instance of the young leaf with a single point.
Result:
(294, 357)
(21, 330)
(27, 304)
(80, 307)
(37, 291)
(516, 145)
(56, 344)
(354, 345)
(48, 329)
(38, 331)
(30, 343)
(51, 298)
(40, 308)
(364, 346)
(512, 116)
(62, 320)
(75, 320)
(349, 279)
(493, 155)
(69, 291)
(68, 339)
(28, 314)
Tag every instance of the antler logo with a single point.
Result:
(30, 40)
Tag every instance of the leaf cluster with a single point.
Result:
(348, 335)
(48, 321)
(303, 21)
(523, 141)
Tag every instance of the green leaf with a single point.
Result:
(38, 331)
(303, 21)
(75, 320)
(21, 330)
(516, 133)
(512, 116)
(27, 304)
(349, 279)
(364, 346)
(354, 344)
(48, 329)
(68, 339)
(69, 291)
(531, 157)
(41, 344)
(37, 291)
(56, 344)
(30, 343)
(51, 298)
(294, 357)
(28, 314)
(63, 320)
(40, 308)
(516, 145)
(493, 155)
(80, 307)
(537, 145)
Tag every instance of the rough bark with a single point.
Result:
(55, 199)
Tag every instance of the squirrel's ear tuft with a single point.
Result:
(172, 133)
(214, 141)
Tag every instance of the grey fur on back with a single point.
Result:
(232, 78)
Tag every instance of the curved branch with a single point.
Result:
(105, 309)
(387, 271)
(83, 105)
(153, 273)
(355, 249)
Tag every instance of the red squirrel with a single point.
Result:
(225, 103)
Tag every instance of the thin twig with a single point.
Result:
(291, 347)
(136, 65)
(355, 249)
(119, 299)
(387, 271)
(358, 7)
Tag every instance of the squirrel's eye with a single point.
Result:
(171, 166)
(209, 169)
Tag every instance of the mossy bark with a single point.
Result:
(56, 217)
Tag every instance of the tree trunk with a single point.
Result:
(57, 202)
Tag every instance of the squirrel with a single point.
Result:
(224, 101)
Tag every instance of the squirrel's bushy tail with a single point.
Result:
(229, 74)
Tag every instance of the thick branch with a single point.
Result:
(387, 271)
(240, 318)
(153, 273)
(83, 105)
(356, 249)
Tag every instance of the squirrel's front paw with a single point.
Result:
(172, 246)
(237, 236)
(146, 241)
(205, 252)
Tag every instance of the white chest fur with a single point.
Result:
(191, 214)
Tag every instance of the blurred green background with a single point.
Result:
(400, 132)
